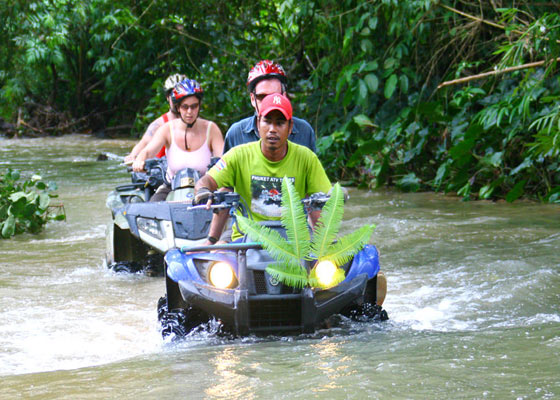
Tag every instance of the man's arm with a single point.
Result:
(203, 189)
(314, 217)
(206, 182)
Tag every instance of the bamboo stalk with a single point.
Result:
(491, 73)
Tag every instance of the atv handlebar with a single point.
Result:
(231, 200)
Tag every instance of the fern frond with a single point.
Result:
(280, 249)
(293, 219)
(328, 225)
(293, 276)
(347, 246)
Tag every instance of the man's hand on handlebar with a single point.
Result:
(203, 195)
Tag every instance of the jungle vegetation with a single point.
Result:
(25, 204)
(458, 96)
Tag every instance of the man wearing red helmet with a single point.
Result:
(255, 170)
(266, 77)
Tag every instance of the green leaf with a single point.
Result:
(527, 162)
(17, 208)
(289, 275)
(389, 63)
(371, 66)
(366, 45)
(294, 219)
(362, 91)
(485, 192)
(14, 197)
(441, 174)
(516, 192)
(403, 82)
(44, 201)
(372, 82)
(328, 225)
(272, 241)
(346, 247)
(9, 227)
(465, 191)
(494, 159)
(390, 86)
(409, 182)
(363, 121)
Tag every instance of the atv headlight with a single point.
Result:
(326, 273)
(149, 226)
(221, 275)
(135, 199)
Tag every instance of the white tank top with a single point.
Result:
(177, 158)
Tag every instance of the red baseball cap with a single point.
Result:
(276, 101)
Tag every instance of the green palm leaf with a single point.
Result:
(347, 246)
(280, 249)
(290, 275)
(328, 225)
(294, 220)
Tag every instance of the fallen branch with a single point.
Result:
(484, 21)
(475, 18)
(491, 73)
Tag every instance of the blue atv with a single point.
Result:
(229, 283)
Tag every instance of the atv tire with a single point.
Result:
(126, 266)
(154, 265)
(367, 312)
(179, 322)
(173, 323)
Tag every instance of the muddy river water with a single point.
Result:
(473, 300)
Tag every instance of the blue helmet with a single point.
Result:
(186, 88)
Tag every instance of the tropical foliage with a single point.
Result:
(453, 96)
(300, 246)
(24, 206)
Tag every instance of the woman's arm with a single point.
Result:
(160, 139)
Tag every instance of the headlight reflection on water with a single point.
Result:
(231, 381)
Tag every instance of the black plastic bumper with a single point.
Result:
(246, 313)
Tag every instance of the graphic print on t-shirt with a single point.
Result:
(266, 195)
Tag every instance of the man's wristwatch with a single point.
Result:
(212, 239)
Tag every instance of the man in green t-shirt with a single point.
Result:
(255, 170)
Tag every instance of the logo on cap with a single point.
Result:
(277, 100)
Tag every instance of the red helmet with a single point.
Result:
(265, 69)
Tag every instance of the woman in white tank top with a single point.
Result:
(190, 141)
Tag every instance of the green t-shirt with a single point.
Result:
(259, 181)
